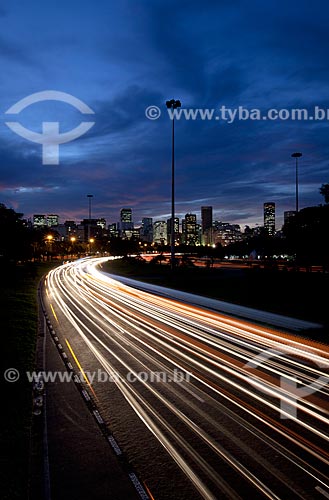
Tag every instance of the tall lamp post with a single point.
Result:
(49, 240)
(173, 104)
(72, 239)
(89, 196)
(296, 155)
(91, 241)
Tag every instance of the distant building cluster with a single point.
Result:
(50, 220)
(188, 230)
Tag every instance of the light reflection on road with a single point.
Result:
(228, 414)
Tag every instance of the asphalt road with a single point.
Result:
(205, 405)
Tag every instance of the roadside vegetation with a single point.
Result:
(19, 322)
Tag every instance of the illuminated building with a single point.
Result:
(52, 220)
(160, 232)
(190, 230)
(39, 220)
(269, 218)
(176, 230)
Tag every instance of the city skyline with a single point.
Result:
(125, 218)
(190, 229)
(131, 60)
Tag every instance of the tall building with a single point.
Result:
(52, 220)
(190, 230)
(126, 225)
(160, 232)
(101, 223)
(206, 218)
(146, 231)
(126, 218)
(113, 230)
(269, 218)
(225, 233)
(288, 215)
(176, 230)
(39, 220)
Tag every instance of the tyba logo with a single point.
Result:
(50, 138)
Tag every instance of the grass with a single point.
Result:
(297, 294)
(19, 321)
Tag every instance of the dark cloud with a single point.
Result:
(122, 57)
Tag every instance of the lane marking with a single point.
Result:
(80, 367)
(53, 311)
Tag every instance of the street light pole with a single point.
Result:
(89, 196)
(173, 104)
(49, 240)
(296, 155)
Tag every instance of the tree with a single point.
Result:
(307, 234)
(16, 239)
(324, 191)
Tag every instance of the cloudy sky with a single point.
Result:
(121, 56)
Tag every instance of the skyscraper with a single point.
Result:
(101, 223)
(126, 225)
(113, 230)
(160, 232)
(126, 218)
(288, 216)
(191, 235)
(39, 220)
(269, 218)
(146, 231)
(176, 230)
(206, 218)
(52, 220)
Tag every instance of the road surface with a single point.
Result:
(205, 405)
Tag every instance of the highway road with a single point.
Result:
(205, 405)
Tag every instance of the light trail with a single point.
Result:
(227, 409)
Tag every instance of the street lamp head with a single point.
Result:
(49, 237)
(90, 195)
(296, 155)
(73, 239)
(91, 240)
(173, 104)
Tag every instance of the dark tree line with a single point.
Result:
(16, 240)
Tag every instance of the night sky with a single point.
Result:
(119, 57)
